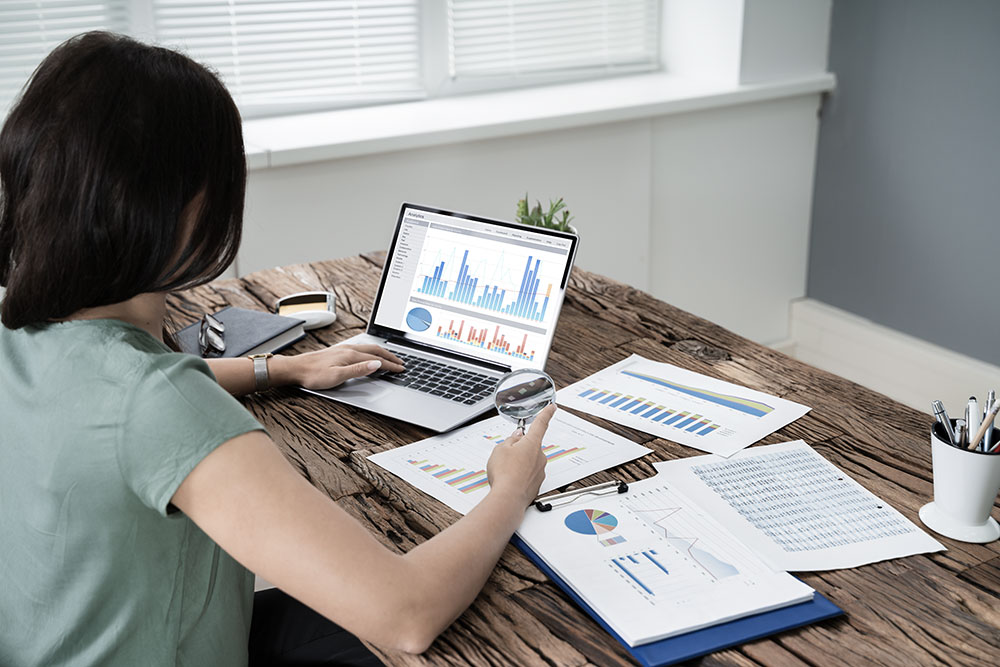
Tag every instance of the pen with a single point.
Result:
(987, 423)
(960, 433)
(972, 417)
(942, 416)
(991, 399)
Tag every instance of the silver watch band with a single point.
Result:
(262, 380)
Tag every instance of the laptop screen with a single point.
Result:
(478, 287)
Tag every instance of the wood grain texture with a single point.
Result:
(936, 609)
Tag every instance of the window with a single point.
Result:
(291, 55)
(287, 56)
(527, 40)
(29, 29)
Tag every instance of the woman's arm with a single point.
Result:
(248, 499)
(314, 370)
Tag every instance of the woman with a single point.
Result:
(135, 492)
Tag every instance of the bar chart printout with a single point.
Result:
(673, 403)
(452, 466)
(552, 452)
(673, 569)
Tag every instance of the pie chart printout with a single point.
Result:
(418, 319)
(591, 522)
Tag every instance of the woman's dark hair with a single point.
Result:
(110, 140)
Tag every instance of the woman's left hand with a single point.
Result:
(334, 365)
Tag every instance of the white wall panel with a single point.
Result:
(731, 193)
(340, 207)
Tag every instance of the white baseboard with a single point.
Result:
(908, 369)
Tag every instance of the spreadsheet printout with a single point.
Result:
(796, 509)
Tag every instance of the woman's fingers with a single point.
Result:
(514, 437)
(394, 363)
(379, 351)
(541, 423)
(357, 370)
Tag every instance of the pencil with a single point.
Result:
(987, 423)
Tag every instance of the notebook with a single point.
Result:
(247, 332)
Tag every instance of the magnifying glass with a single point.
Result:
(521, 395)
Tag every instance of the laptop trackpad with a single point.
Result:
(362, 388)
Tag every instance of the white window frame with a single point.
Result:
(434, 60)
(438, 82)
(434, 71)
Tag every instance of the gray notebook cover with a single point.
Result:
(246, 331)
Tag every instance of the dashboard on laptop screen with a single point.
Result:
(485, 289)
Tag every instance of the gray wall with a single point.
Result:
(906, 211)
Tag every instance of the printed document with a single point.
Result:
(679, 405)
(795, 509)
(451, 467)
(653, 565)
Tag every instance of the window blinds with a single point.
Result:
(519, 38)
(29, 30)
(286, 55)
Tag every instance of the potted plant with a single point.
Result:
(536, 217)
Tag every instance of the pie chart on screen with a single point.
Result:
(419, 319)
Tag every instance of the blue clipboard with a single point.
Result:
(707, 640)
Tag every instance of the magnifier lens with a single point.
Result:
(522, 394)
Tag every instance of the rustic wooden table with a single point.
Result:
(942, 608)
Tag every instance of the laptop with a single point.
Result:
(463, 300)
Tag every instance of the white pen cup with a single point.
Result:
(966, 484)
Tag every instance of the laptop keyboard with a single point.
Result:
(437, 379)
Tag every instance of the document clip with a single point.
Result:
(614, 486)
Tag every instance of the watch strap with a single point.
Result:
(262, 381)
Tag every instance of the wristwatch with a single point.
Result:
(261, 379)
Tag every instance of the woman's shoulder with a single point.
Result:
(105, 351)
(142, 360)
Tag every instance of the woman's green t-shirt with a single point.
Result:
(99, 425)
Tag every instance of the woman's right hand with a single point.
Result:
(517, 466)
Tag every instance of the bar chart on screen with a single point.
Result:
(673, 403)
(459, 271)
(528, 302)
(494, 338)
(452, 466)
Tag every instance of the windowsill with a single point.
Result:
(289, 140)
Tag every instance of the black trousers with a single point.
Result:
(285, 632)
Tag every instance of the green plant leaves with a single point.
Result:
(536, 217)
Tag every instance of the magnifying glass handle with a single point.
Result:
(520, 425)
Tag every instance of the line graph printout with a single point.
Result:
(653, 565)
(452, 466)
(796, 509)
(676, 404)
